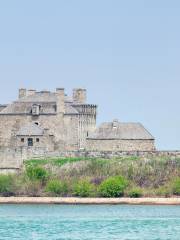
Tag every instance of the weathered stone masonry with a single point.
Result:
(115, 144)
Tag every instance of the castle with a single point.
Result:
(54, 121)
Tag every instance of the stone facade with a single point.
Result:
(118, 145)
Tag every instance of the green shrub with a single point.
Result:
(83, 189)
(113, 187)
(36, 173)
(6, 184)
(56, 187)
(135, 192)
(176, 186)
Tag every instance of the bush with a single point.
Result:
(135, 192)
(55, 187)
(176, 186)
(6, 184)
(83, 189)
(36, 173)
(113, 187)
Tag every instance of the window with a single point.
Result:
(35, 110)
(30, 142)
(37, 140)
(22, 140)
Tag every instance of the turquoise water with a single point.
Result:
(107, 222)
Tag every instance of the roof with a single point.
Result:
(122, 131)
(45, 98)
(30, 129)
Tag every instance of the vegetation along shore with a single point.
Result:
(122, 177)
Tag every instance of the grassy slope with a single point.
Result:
(152, 175)
(148, 172)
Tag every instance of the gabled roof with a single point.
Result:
(122, 131)
(30, 129)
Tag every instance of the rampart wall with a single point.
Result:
(11, 160)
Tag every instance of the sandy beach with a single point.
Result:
(73, 200)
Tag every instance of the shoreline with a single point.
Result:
(99, 201)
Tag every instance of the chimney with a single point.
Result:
(22, 93)
(31, 92)
(46, 131)
(115, 123)
(79, 96)
(60, 100)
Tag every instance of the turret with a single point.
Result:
(22, 93)
(60, 100)
(79, 96)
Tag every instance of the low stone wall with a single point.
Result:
(111, 154)
(11, 160)
(95, 154)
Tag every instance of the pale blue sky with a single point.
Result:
(126, 53)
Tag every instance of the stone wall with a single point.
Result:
(120, 145)
(11, 160)
(110, 154)
(40, 153)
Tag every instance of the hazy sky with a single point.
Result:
(126, 53)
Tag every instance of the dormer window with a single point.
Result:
(115, 123)
(35, 110)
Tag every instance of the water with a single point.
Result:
(90, 222)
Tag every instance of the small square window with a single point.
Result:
(37, 139)
(22, 140)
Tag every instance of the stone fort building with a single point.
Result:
(54, 121)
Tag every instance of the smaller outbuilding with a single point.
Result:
(33, 136)
(120, 136)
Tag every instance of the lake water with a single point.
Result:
(90, 222)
